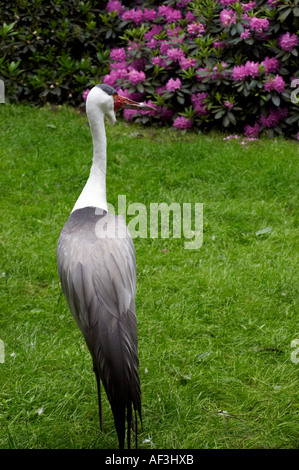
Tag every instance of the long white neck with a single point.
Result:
(94, 191)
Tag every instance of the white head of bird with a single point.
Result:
(105, 98)
(102, 101)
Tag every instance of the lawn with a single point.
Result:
(215, 325)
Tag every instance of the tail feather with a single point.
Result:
(123, 420)
(117, 368)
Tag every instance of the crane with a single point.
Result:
(97, 270)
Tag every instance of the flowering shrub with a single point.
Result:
(205, 64)
(208, 64)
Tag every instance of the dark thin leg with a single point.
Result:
(99, 397)
(136, 431)
(129, 424)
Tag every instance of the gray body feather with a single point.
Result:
(97, 270)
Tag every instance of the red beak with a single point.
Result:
(121, 102)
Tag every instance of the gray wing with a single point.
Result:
(97, 269)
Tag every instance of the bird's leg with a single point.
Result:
(99, 396)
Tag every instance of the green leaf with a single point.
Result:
(276, 100)
(231, 117)
(283, 16)
(252, 84)
(225, 121)
(56, 91)
(292, 119)
(219, 114)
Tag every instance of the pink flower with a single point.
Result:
(122, 92)
(136, 77)
(159, 60)
(163, 10)
(118, 54)
(164, 46)
(298, 136)
(248, 6)
(275, 83)
(274, 3)
(275, 116)
(195, 29)
(197, 102)
(258, 24)
(139, 64)
(245, 34)
(252, 68)
(171, 15)
(137, 16)
(190, 17)
(173, 85)
(133, 96)
(288, 41)
(228, 104)
(149, 15)
(246, 18)
(186, 62)
(133, 45)
(114, 6)
(240, 72)
(129, 114)
(110, 79)
(160, 90)
(182, 3)
(118, 65)
(174, 54)
(156, 29)
(85, 94)
(271, 64)
(231, 137)
(252, 131)
(115, 75)
(226, 3)
(181, 122)
(220, 44)
(227, 17)
(174, 32)
(152, 44)
(165, 113)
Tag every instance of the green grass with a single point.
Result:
(215, 325)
